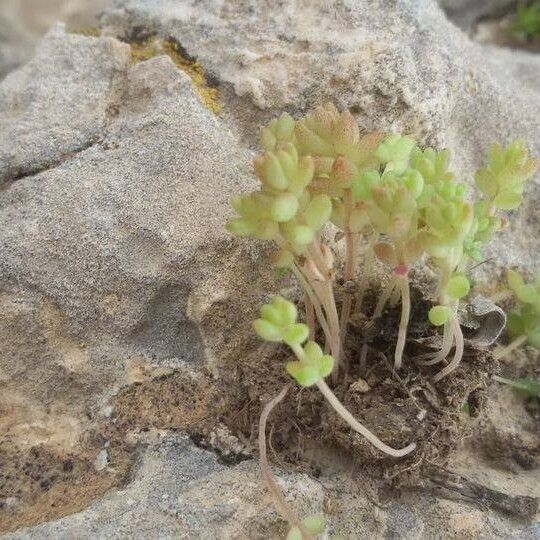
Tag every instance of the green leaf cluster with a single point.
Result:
(525, 319)
(502, 180)
(312, 366)
(315, 524)
(527, 20)
(320, 168)
(278, 323)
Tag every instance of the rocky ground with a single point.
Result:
(125, 306)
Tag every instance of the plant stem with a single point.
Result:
(357, 426)
(326, 294)
(368, 268)
(282, 505)
(458, 354)
(310, 316)
(403, 283)
(383, 299)
(448, 341)
(503, 351)
(349, 274)
(314, 301)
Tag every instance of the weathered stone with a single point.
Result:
(102, 250)
(114, 259)
(465, 13)
(180, 491)
(398, 66)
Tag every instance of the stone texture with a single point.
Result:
(116, 182)
(102, 250)
(465, 13)
(400, 66)
(24, 22)
(181, 491)
(58, 104)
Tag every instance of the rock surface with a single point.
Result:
(466, 13)
(398, 66)
(114, 261)
(24, 22)
(181, 491)
(103, 247)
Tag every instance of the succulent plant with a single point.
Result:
(527, 20)
(524, 321)
(323, 169)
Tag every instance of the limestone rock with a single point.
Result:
(398, 66)
(114, 262)
(465, 13)
(181, 491)
(102, 249)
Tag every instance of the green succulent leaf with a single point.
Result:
(318, 212)
(458, 286)
(312, 365)
(278, 323)
(315, 524)
(284, 207)
(503, 178)
(439, 315)
(305, 375)
(267, 330)
(394, 152)
(295, 534)
(295, 334)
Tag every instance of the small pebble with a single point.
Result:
(360, 386)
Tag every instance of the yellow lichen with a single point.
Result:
(144, 50)
(89, 31)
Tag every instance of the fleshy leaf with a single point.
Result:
(439, 315)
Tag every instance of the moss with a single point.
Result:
(90, 31)
(144, 50)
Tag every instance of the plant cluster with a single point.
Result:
(393, 202)
(524, 320)
(527, 20)
(523, 325)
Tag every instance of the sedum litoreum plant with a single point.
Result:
(523, 327)
(527, 20)
(393, 202)
(524, 319)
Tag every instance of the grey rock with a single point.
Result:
(402, 523)
(102, 250)
(24, 22)
(181, 491)
(399, 66)
(465, 13)
(50, 109)
(113, 251)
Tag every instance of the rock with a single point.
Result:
(23, 23)
(399, 67)
(60, 102)
(181, 491)
(465, 13)
(116, 269)
(104, 249)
